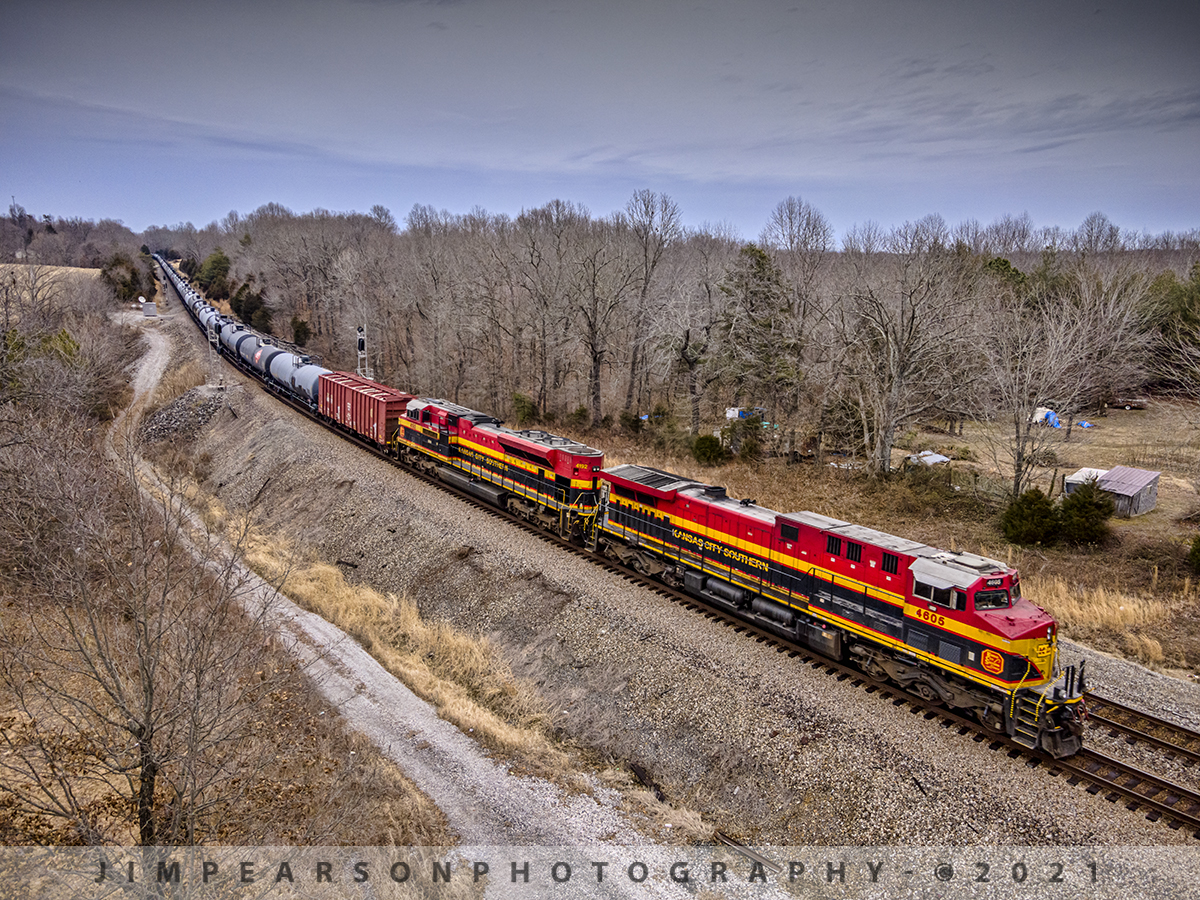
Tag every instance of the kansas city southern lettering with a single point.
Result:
(711, 547)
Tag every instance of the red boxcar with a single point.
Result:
(365, 407)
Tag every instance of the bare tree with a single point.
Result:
(684, 326)
(1067, 342)
(546, 248)
(902, 322)
(605, 279)
(126, 659)
(655, 222)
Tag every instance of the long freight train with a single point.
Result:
(952, 627)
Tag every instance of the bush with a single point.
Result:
(213, 277)
(1193, 557)
(1083, 515)
(122, 276)
(261, 320)
(1030, 519)
(708, 451)
(580, 417)
(630, 421)
(301, 331)
(524, 410)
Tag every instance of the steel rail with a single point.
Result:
(1174, 739)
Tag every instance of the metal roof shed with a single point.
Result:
(1135, 491)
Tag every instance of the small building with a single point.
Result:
(1071, 482)
(1135, 491)
(149, 310)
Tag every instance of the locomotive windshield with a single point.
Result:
(991, 600)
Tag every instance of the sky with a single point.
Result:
(157, 113)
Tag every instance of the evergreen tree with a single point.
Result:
(1030, 519)
(1084, 513)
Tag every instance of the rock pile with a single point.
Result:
(182, 417)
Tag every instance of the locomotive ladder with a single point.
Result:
(1025, 720)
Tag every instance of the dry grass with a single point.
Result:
(465, 679)
(177, 381)
(1107, 617)
(669, 824)
(1101, 609)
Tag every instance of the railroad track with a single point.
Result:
(1138, 727)
(1178, 807)
(1160, 799)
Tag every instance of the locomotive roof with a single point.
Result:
(471, 415)
(957, 568)
(533, 435)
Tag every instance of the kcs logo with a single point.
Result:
(992, 661)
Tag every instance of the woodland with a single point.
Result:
(562, 318)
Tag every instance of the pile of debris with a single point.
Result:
(182, 417)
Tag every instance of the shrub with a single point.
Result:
(708, 451)
(630, 421)
(261, 320)
(1193, 557)
(301, 331)
(1083, 515)
(580, 417)
(121, 275)
(524, 409)
(213, 277)
(1030, 519)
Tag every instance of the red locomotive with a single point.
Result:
(952, 627)
(547, 479)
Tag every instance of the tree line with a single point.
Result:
(557, 315)
(565, 318)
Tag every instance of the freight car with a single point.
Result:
(951, 627)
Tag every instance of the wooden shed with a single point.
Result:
(1135, 491)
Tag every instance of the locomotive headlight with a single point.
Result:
(1049, 632)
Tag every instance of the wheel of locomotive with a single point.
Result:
(876, 671)
(989, 718)
(926, 692)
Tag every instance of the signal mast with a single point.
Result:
(364, 367)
